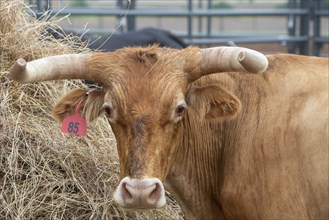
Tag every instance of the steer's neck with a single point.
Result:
(191, 178)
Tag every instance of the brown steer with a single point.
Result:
(230, 145)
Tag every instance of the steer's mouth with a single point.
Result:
(140, 193)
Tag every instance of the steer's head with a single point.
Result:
(144, 98)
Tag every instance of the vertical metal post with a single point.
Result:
(120, 6)
(43, 5)
(39, 5)
(189, 20)
(200, 17)
(304, 26)
(209, 19)
(316, 28)
(131, 19)
(291, 47)
(130, 23)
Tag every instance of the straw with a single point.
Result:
(45, 174)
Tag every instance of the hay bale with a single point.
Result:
(45, 174)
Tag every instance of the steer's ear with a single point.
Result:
(213, 102)
(91, 104)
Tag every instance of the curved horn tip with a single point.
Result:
(253, 61)
(21, 62)
(16, 71)
(241, 56)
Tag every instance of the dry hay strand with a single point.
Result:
(45, 174)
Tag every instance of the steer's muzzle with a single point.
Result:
(140, 193)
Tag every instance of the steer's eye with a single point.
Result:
(108, 111)
(180, 110)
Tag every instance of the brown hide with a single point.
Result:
(247, 146)
(271, 161)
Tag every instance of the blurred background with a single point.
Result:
(270, 26)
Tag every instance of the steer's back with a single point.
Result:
(276, 150)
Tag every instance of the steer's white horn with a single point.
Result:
(69, 66)
(226, 59)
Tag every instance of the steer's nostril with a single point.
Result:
(155, 194)
(126, 195)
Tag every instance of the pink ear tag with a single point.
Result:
(74, 124)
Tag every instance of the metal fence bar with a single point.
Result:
(209, 19)
(318, 40)
(189, 19)
(181, 12)
(131, 20)
(298, 10)
(316, 30)
(245, 39)
(305, 26)
(292, 20)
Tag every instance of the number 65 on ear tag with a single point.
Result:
(74, 124)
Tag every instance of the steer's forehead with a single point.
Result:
(150, 64)
(146, 79)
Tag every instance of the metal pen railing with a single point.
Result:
(301, 13)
